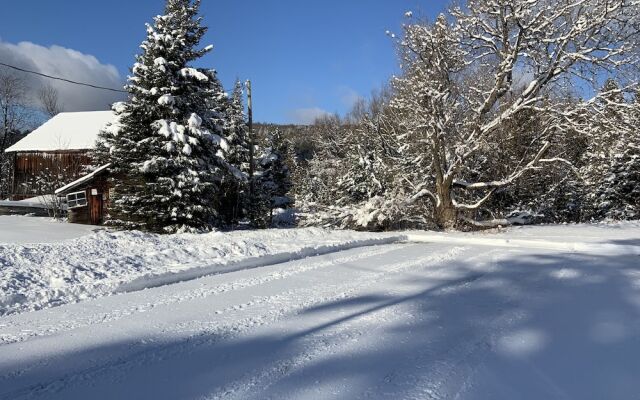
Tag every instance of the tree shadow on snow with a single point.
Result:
(553, 326)
(625, 242)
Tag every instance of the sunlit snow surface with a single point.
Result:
(549, 312)
(22, 230)
(66, 131)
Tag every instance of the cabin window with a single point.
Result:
(77, 199)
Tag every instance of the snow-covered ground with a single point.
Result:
(508, 315)
(18, 229)
(39, 270)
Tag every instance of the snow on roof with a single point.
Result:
(66, 131)
(82, 180)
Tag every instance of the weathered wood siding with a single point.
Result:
(38, 173)
(97, 205)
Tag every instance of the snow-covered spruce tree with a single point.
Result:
(361, 172)
(315, 177)
(217, 106)
(235, 201)
(612, 162)
(272, 180)
(375, 194)
(366, 150)
(619, 193)
(165, 151)
(237, 130)
(459, 75)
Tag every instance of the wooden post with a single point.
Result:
(14, 167)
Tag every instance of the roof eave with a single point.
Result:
(10, 150)
(83, 180)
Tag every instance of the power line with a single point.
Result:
(62, 79)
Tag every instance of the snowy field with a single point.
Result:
(15, 229)
(39, 270)
(550, 312)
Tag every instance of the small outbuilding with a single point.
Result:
(87, 197)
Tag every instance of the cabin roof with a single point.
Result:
(85, 179)
(66, 131)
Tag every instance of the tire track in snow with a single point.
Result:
(285, 270)
(215, 331)
(342, 335)
(453, 367)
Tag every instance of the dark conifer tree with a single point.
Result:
(272, 180)
(235, 201)
(165, 150)
(237, 130)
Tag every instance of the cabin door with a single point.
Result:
(95, 206)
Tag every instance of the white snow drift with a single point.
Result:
(478, 316)
(34, 276)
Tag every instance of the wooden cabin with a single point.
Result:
(56, 155)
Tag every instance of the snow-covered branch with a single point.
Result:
(480, 69)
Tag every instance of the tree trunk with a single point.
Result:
(445, 212)
(446, 216)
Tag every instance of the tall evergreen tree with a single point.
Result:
(237, 130)
(165, 150)
(235, 201)
(611, 134)
(616, 189)
(217, 102)
(619, 193)
(272, 180)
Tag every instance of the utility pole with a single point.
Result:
(251, 144)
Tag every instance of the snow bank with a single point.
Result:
(604, 238)
(43, 275)
(17, 229)
(94, 264)
(34, 202)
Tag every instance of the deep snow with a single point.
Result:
(39, 275)
(24, 230)
(508, 315)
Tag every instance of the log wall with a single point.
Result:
(38, 173)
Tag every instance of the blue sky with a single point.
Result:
(303, 57)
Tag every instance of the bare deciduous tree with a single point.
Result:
(50, 100)
(14, 117)
(473, 71)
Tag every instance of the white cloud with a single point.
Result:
(348, 96)
(307, 115)
(65, 63)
